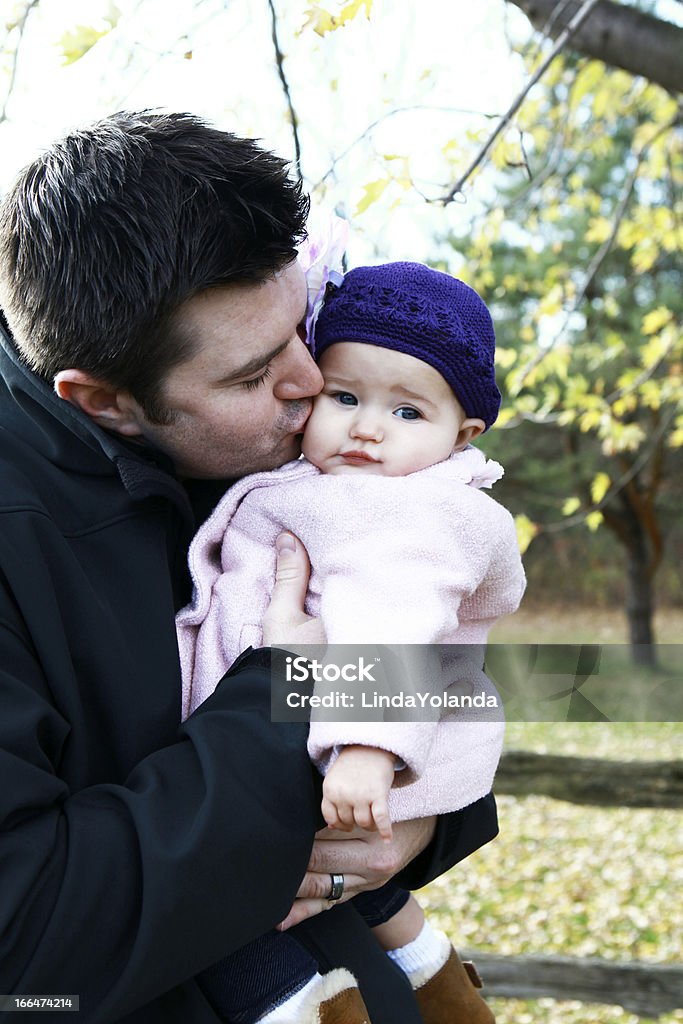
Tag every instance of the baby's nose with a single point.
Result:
(367, 428)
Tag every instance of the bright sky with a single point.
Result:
(429, 60)
(436, 62)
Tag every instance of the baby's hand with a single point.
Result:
(356, 790)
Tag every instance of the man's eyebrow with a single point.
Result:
(252, 366)
(258, 362)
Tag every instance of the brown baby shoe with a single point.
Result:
(451, 996)
(337, 1000)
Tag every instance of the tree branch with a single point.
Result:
(622, 483)
(279, 61)
(621, 36)
(568, 32)
(392, 113)
(601, 255)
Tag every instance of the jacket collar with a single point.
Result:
(30, 409)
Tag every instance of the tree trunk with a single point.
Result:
(635, 525)
(618, 35)
(640, 603)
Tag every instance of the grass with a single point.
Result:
(579, 625)
(567, 879)
(535, 651)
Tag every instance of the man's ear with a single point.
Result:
(469, 429)
(110, 407)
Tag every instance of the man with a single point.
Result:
(147, 276)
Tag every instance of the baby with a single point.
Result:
(405, 548)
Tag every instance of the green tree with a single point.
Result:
(582, 266)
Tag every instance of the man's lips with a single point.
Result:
(302, 424)
(357, 457)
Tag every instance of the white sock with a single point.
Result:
(289, 1012)
(424, 956)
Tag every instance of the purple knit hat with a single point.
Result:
(432, 316)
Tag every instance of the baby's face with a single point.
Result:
(382, 412)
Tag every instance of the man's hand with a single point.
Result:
(356, 790)
(285, 623)
(362, 857)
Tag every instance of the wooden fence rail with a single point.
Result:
(585, 780)
(645, 989)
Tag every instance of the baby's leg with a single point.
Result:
(445, 989)
(402, 928)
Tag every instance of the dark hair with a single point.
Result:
(106, 234)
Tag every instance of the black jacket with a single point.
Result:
(135, 851)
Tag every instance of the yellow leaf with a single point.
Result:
(599, 487)
(655, 319)
(350, 10)
(505, 357)
(551, 303)
(654, 350)
(590, 420)
(611, 307)
(504, 416)
(526, 531)
(76, 43)
(593, 521)
(645, 256)
(323, 21)
(320, 20)
(599, 230)
(622, 406)
(499, 157)
(571, 506)
(371, 194)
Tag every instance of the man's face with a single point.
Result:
(381, 413)
(240, 402)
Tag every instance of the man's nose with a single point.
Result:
(300, 376)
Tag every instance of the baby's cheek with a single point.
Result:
(311, 440)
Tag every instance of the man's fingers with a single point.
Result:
(375, 864)
(285, 623)
(302, 910)
(291, 579)
(314, 886)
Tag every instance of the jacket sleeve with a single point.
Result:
(118, 893)
(399, 584)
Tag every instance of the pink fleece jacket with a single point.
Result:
(420, 559)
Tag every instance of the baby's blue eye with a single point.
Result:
(345, 398)
(407, 413)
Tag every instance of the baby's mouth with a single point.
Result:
(358, 458)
